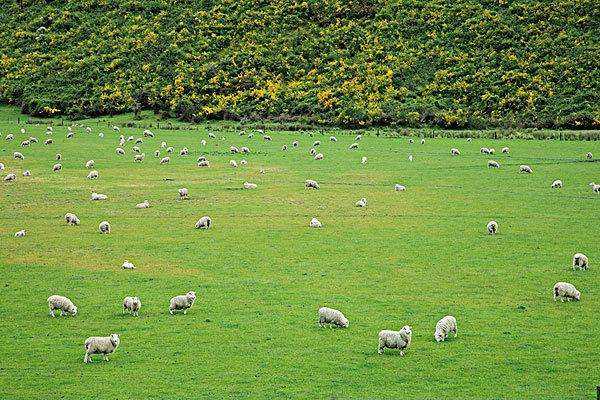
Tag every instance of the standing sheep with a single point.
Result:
(557, 184)
(580, 261)
(244, 150)
(90, 164)
(100, 345)
(104, 227)
(144, 204)
(120, 151)
(165, 160)
(332, 317)
(204, 223)
(493, 164)
(395, 339)
(589, 156)
(595, 187)
(295, 143)
(353, 146)
(66, 306)
(363, 160)
(56, 167)
(21, 233)
(127, 265)
(249, 185)
(184, 151)
(310, 184)
(133, 305)
(445, 326)
(455, 152)
(93, 175)
(492, 227)
(314, 223)
(47, 142)
(233, 163)
(565, 291)
(182, 302)
(71, 219)
(333, 138)
(26, 173)
(361, 203)
(10, 177)
(139, 157)
(319, 156)
(18, 156)
(183, 193)
(505, 150)
(525, 169)
(98, 196)
(399, 188)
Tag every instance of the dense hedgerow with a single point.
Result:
(456, 64)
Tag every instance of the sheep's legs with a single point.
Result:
(170, 311)
(52, 312)
(87, 359)
(106, 357)
(184, 311)
(401, 353)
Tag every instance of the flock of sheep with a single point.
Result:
(400, 340)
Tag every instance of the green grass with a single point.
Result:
(260, 273)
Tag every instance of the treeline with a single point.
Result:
(452, 64)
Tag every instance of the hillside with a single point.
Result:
(455, 64)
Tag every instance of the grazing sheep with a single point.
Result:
(70, 135)
(493, 164)
(399, 188)
(133, 305)
(525, 169)
(203, 163)
(445, 326)
(469, 139)
(589, 156)
(121, 141)
(314, 223)
(492, 150)
(234, 150)
(454, 152)
(243, 162)
(120, 151)
(358, 138)
(204, 223)
(148, 133)
(312, 151)
(332, 317)
(492, 227)
(104, 227)
(333, 138)
(353, 146)
(56, 167)
(163, 145)
(505, 150)
(100, 345)
(170, 150)
(10, 177)
(136, 149)
(556, 184)
(58, 157)
(484, 150)
(48, 141)
(580, 261)
(248, 185)
(244, 150)
(203, 142)
(184, 151)
(21, 233)
(284, 147)
(595, 187)
(143, 204)
(139, 157)
(182, 302)
(9, 137)
(139, 141)
(295, 143)
(183, 193)
(211, 135)
(363, 160)
(127, 265)
(98, 196)
(410, 158)
(233, 163)
(33, 139)
(93, 175)
(156, 153)
(422, 141)
(361, 203)
(410, 141)
(18, 156)
(26, 173)
(101, 135)
(25, 143)
(165, 160)
(267, 138)
(90, 164)
(565, 291)
(129, 138)
(250, 135)
(64, 304)
(395, 339)
(1, 167)
(71, 219)
(319, 156)
(317, 143)
(310, 184)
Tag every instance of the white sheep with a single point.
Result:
(361, 203)
(182, 302)
(133, 305)
(316, 143)
(589, 156)
(21, 233)
(484, 150)
(25, 143)
(353, 146)
(26, 173)
(249, 185)
(9, 137)
(445, 326)
(70, 135)
(93, 175)
(1, 167)
(319, 156)
(139, 141)
(399, 188)
(363, 160)
(71, 219)
(333, 138)
(243, 162)
(183, 193)
(410, 158)
(314, 223)
(311, 184)
(120, 151)
(139, 157)
(595, 187)
(565, 291)
(104, 345)
(58, 157)
(505, 150)
(90, 164)
(233, 163)
(163, 145)
(148, 133)
(143, 204)
(267, 138)
(244, 150)
(204, 223)
(203, 142)
(104, 227)
(556, 184)
(332, 317)
(204, 163)
(358, 138)
(184, 151)
(492, 150)
(98, 196)
(580, 261)
(295, 143)
(492, 227)
(156, 153)
(48, 141)
(410, 141)
(493, 164)
(312, 152)
(64, 304)
(211, 135)
(395, 339)
(165, 160)
(127, 265)
(525, 169)
(10, 177)
(284, 147)
(454, 151)
(18, 156)
(56, 167)
(33, 139)
(130, 138)
(136, 149)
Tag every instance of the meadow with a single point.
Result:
(261, 273)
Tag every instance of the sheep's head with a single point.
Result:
(407, 330)
(115, 340)
(73, 310)
(191, 295)
(438, 336)
(345, 322)
(577, 295)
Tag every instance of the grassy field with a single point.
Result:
(261, 273)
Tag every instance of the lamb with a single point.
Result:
(184, 151)
(454, 152)
(10, 177)
(93, 175)
(505, 150)
(353, 146)
(580, 261)
(395, 339)
(204, 163)
(139, 157)
(248, 185)
(565, 291)
(127, 265)
(48, 141)
(333, 138)
(314, 223)
(595, 187)
(310, 184)
(233, 163)
(104, 227)
(332, 317)
(443, 327)
(361, 203)
(120, 151)
(21, 233)
(71, 219)
(100, 345)
(244, 150)
(165, 160)
(556, 184)
(525, 169)
(143, 204)
(493, 164)
(399, 188)
(56, 167)
(90, 164)
(319, 156)
(98, 196)
(492, 227)
(64, 304)
(18, 156)
(133, 305)
(204, 223)
(363, 160)
(183, 193)
(182, 302)
(26, 173)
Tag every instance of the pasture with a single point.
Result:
(260, 273)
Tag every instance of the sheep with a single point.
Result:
(58, 157)
(319, 156)
(491, 150)
(580, 261)
(143, 204)
(25, 143)
(90, 164)
(525, 169)
(26, 173)
(139, 157)
(101, 135)
(127, 265)
(454, 151)
(120, 151)
(317, 143)
(233, 163)
(399, 188)
(312, 152)
(332, 138)
(139, 141)
(248, 185)
(9, 137)
(332, 317)
(203, 163)
(64, 304)
(410, 141)
(314, 223)
(100, 345)
(104, 227)
(363, 160)
(589, 156)
(1, 167)
(148, 133)
(203, 142)
(211, 135)
(93, 175)
(204, 223)
(357, 138)
(18, 156)
(395, 339)
(21, 233)
(557, 184)
(156, 153)
(88, 129)
(244, 150)
(492, 227)
(443, 327)
(165, 160)
(595, 187)
(310, 184)
(133, 305)
(129, 138)
(121, 141)
(163, 145)
(183, 193)
(353, 146)
(361, 203)
(33, 139)
(484, 150)
(136, 149)
(56, 167)
(98, 196)
(23, 130)
(250, 135)
(71, 219)
(184, 151)
(10, 177)
(70, 135)
(469, 139)
(48, 141)
(243, 162)
(505, 150)
(422, 140)
(410, 158)
(565, 290)
(182, 302)
(493, 164)
(295, 143)
(267, 138)
(170, 150)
